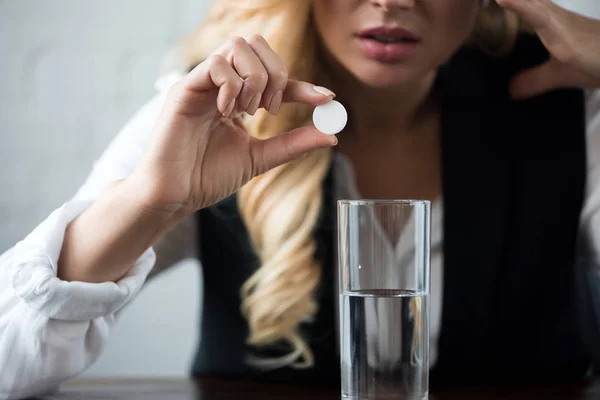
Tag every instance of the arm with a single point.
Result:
(102, 243)
(51, 330)
(199, 153)
(132, 227)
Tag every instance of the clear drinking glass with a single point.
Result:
(384, 272)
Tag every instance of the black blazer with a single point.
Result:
(513, 184)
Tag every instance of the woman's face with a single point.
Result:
(386, 43)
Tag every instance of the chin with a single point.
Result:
(381, 76)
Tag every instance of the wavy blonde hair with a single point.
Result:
(281, 207)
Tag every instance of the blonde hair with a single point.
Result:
(496, 30)
(281, 207)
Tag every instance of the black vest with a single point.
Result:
(513, 184)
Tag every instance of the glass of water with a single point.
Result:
(384, 271)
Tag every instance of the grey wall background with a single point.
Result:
(71, 73)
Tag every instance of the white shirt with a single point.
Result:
(51, 331)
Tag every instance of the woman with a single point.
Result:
(430, 116)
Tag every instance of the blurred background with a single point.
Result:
(72, 73)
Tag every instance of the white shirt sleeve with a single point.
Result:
(52, 330)
(590, 216)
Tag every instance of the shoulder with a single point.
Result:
(592, 112)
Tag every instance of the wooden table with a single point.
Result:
(217, 390)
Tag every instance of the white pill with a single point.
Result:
(330, 118)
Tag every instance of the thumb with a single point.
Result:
(273, 152)
(538, 80)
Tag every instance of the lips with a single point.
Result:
(388, 45)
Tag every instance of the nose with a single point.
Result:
(393, 5)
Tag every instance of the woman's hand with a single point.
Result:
(201, 151)
(572, 40)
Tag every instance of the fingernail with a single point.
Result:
(276, 102)
(334, 140)
(229, 108)
(254, 104)
(324, 91)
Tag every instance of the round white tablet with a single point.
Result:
(330, 118)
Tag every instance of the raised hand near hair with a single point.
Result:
(202, 152)
(572, 40)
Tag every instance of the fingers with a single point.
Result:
(247, 75)
(215, 72)
(541, 15)
(306, 93)
(250, 69)
(276, 71)
(273, 152)
(534, 12)
(570, 38)
(538, 80)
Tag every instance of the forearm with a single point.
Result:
(103, 243)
